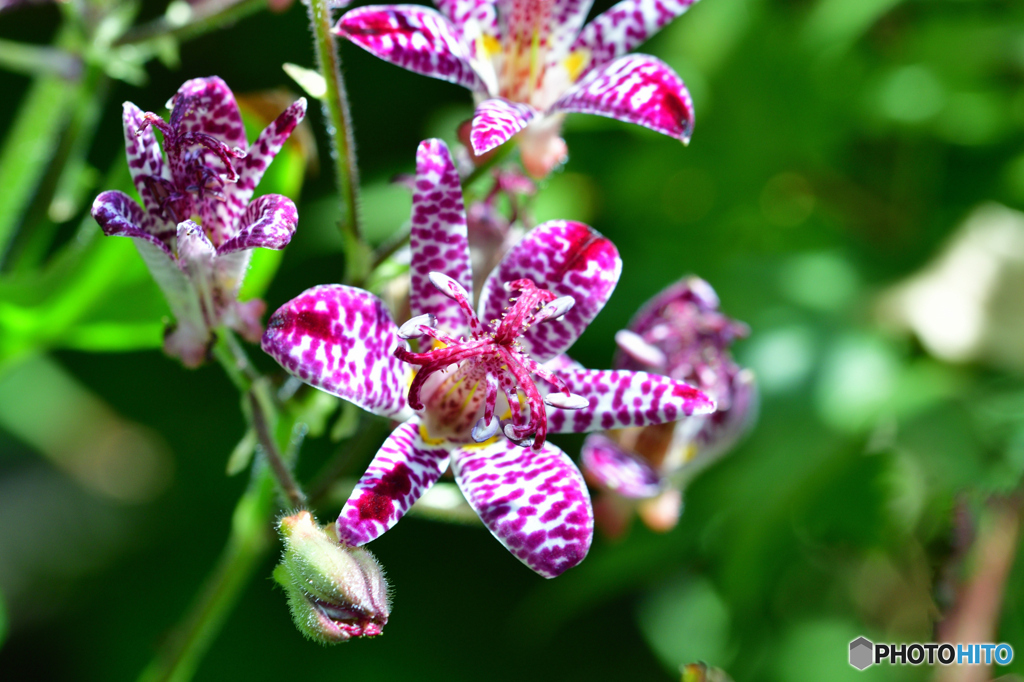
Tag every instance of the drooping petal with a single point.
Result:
(567, 258)
(438, 238)
(341, 340)
(119, 216)
(403, 469)
(268, 223)
(607, 464)
(534, 502)
(147, 167)
(254, 165)
(413, 37)
(637, 89)
(496, 120)
(619, 398)
(625, 26)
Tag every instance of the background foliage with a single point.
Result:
(838, 146)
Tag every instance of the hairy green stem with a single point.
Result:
(343, 152)
(260, 423)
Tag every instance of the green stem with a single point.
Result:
(30, 144)
(485, 168)
(39, 59)
(260, 422)
(339, 121)
(248, 543)
(215, 16)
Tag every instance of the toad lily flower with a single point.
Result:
(197, 226)
(487, 385)
(680, 333)
(528, 64)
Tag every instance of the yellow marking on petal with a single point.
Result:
(489, 45)
(425, 436)
(690, 452)
(478, 446)
(576, 62)
(469, 397)
(534, 59)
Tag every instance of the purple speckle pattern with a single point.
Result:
(495, 121)
(205, 184)
(147, 167)
(619, 398)
(438, 237)
(413, 37)
(260, 154)
(529, 53)
(568, 259)
(534, 502)
(465, 13)
(609, 466)
(119, 216)
(268, 223)
(341, 340)
(636, 89)
(625, 26)
(403, 469)
(562, 363)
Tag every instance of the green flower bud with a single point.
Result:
(335, 592)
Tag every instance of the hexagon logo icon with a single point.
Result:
(861, 650)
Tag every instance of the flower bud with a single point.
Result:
(335, 592)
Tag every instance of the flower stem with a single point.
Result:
(339, 120)
(296, 498)
(248, 542)
(485, 168)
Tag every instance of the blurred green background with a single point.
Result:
(848, 192)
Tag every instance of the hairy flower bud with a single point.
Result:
(335, 592)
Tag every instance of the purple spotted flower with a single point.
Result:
(487, 385)
(529, 63)
(679, 333)
(197, 227)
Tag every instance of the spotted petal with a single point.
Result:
(254, 165)
(636, 89)
(607, 464)
(471, 17)
(534, 502)
(217, 114)
(403, 469)
(625, 26)
(119, 216)
(619, 398)
(268, 223)
(496, 120)
(438, 238)
(341, 340)
(147, 168)
(569, 259)
(413, 37)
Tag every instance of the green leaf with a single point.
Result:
(29, 146)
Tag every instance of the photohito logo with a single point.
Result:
(864, 653)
